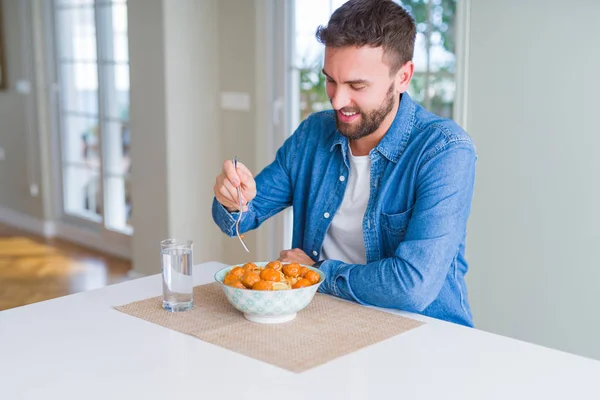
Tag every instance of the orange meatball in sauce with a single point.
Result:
(269, 274)
(237, 284)
(263, 285)
(312, 276)
(249, 279)
(301, 283)
(292, 270)
(276, 265)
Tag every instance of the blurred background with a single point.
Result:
(116, 116)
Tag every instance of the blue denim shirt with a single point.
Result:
(414, 227)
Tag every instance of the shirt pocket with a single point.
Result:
(394, 230)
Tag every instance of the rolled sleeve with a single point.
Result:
(331, 270)
(223, 218)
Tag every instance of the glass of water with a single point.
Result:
(178, 286)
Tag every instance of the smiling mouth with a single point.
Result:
(347, 116)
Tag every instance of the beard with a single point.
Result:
(369, 121)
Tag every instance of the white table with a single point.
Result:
(79, 347)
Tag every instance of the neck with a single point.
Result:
(364, 145)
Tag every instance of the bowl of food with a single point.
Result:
(270, 292)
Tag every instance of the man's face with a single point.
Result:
(360, 89)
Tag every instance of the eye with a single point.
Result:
(357, 87)
(329, 80)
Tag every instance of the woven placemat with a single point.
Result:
(326, 329)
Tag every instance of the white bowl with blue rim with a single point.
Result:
(268, 306)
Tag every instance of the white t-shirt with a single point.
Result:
(344, 238)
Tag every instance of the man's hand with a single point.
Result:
(227, 182)
(295, 256)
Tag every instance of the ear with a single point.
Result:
(404, 76)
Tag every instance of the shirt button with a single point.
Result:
(326, 215)
(342, 178)
(315, 253)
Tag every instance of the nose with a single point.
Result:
(339, 98)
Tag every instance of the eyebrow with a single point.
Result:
(350, 82)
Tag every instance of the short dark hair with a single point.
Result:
(374, 23)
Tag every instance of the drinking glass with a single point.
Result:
(177, 261)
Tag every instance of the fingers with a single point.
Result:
(295, 256)
(224, 197)
(226, 194)
(225, 188)
(239, 176)
(232, 191)
(247, 182)
(246, 177)
(283, 255)
(289, 253)
(230, 173)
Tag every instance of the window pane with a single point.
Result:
(104, 2)
(116, 42)
(308, 56)
(80, 141)
(118, 204)
(417, 87)
(69, 3)
(79, 84)
(442, 94)
(76, 33)
(309, 15)
(95, 109)
(117, 91)
(82, 196)
(434, 83)
(116, 137)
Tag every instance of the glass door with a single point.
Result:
(93, 72)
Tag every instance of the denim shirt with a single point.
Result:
(421, 187)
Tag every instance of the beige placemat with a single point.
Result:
(326, 329)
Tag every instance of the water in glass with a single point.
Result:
(177, 277)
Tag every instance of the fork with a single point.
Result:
(237, 223)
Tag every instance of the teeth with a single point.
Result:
(348, 114)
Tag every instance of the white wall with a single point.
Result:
(237, 131)
(175, 126)
(184, 54)
(18, 128)
(193, 123)
(534, 231)
(148, 132)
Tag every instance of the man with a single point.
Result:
(381, 189)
